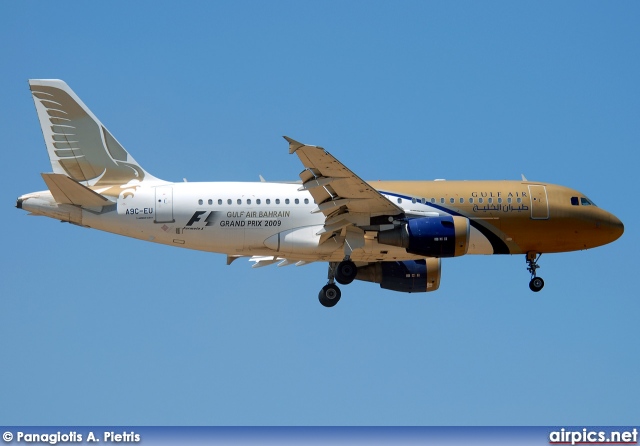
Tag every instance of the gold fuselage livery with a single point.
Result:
(394, 233)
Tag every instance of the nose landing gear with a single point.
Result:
(536, 283)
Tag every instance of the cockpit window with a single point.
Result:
(585, 202)
(574, 201)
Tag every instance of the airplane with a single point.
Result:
(393, 233)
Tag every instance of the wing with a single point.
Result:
(343, 197)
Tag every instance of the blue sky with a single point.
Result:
(103, 330)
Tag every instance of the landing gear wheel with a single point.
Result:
(346, 272)
(536, 284)
(329, 295)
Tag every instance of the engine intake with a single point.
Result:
(430, 236)
(410, 276)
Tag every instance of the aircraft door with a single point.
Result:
(539, 203)
(164, 205)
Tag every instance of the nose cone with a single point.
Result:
(616, 227)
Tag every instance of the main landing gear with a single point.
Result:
(536, 282)
(344, 273)
(329, 295)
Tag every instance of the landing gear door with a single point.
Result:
(539, 203)
(164, 205)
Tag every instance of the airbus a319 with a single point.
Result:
(394, 233)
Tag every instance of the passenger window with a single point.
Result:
(258, 201)
(297, 201)
(433, 200)
(199, 201)
(286, 201)
(489, 200)
(442, 200)
(248, 200)
(499, 200)
(219, 200)
(424, 201)
(399, 200)
(461, 200)
(277, 201)
(509, 200)
(229, 201)
(480, 200)
(574, 201)
(452, 200)
(471, 200)
(306, 201)
(519, 200)
(239, 201)
(268, 200)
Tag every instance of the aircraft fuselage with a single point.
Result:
(240, 219)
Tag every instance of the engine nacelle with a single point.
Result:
(430, 236)
(410, 276)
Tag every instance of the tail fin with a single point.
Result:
(79, 146)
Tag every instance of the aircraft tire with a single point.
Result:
(536, 284)
(346, 272)
(329, 295)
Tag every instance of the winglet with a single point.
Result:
(293, 145)
(523, 177)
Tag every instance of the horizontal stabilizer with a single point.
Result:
(68, 191)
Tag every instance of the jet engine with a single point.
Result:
(410, 276)
(430, 236)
